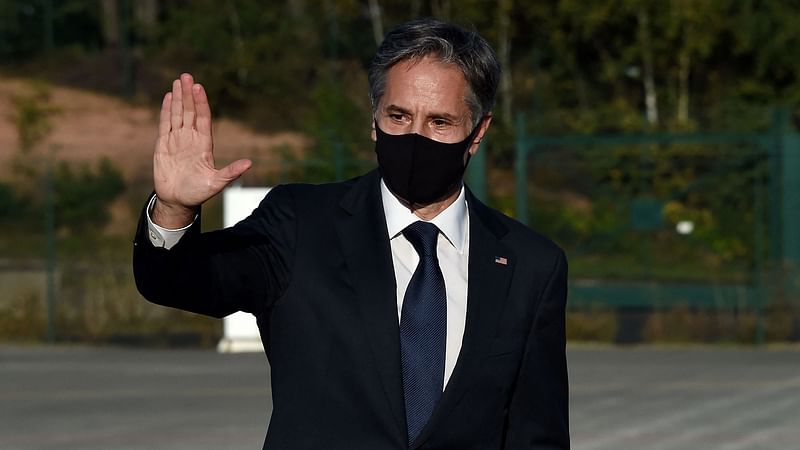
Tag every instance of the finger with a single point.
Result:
(233, 171)
(203, 121)
(188, 100)
(163, 119)
(176, 114)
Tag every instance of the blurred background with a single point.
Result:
(654, 140)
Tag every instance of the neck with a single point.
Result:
(428, 212)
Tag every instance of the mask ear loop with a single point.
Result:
(471, 139)
(478, 127)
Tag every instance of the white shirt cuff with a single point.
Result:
(163, 237)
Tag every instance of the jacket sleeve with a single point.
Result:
(242, 268)
(538, 415)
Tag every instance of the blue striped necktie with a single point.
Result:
(423, 327)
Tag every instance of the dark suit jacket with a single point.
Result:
(314, 265)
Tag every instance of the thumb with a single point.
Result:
(233, 170)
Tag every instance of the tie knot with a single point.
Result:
(423, 236)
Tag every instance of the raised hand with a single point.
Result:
(183, 162)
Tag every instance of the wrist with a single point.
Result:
(171, 216)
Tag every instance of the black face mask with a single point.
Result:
(418, 169)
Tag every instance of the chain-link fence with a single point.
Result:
(671, 236)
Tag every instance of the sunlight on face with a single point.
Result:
(425, 97)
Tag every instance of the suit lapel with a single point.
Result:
(488, 282)
(362, 232)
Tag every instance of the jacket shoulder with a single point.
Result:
(303, 192)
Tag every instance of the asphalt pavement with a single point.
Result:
(645, 398)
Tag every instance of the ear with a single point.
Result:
(483, 125)
(372, 134)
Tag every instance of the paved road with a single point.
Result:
(112, 398)
(644, 398)
(659, 399)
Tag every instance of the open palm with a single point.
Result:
(183, 162)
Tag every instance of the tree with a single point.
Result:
(83, 196)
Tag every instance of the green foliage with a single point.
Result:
(31, 117)
(10, 203)
(578, 65)
(84, 195)
(575, 67)
(341, 147)
(24, 25)
(594, 325)
(254, 60)
(615, 208)
(582, 65)
(16, 21)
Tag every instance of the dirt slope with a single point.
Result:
(88, 126)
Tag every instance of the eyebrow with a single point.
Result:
(395, 108)
(400, 109)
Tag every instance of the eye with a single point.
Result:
(398, 117)
(440, 123)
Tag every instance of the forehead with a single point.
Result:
(425, 82)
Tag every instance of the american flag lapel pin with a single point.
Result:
(501, 260)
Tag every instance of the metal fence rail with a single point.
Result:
(658, 221)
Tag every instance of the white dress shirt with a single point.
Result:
(452, 248)
(160, 236)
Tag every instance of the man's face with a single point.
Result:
(427, 97)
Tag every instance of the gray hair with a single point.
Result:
(450, 44)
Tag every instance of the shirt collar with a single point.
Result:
(452, 222)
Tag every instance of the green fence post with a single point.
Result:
(759, 217)
(780, 128)
(790, 158)
(50, 251)
(521, 170)
(476, 172)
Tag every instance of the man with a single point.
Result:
(397, 311)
